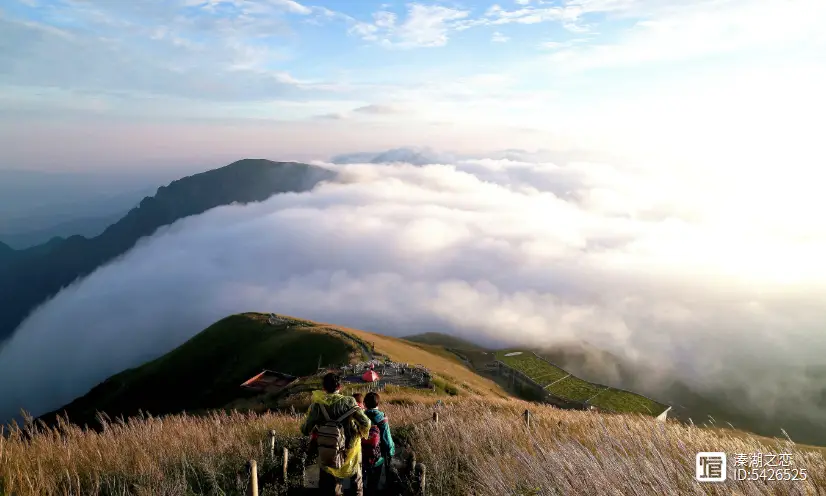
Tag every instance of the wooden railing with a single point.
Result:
(411, 480)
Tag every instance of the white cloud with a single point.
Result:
(424, 26)
(493, 249)
(526, 15)
(498, 37)
(251, 6)
(379, 109)
(372, 110)
(569, 13)
(336, 116)
(556, 45)
(693, 30)
(131, 51)
(292, 6)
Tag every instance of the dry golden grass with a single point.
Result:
(145, 456)
(483, 447)
(451, 369)
(480, 446)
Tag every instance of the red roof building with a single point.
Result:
(269, 381)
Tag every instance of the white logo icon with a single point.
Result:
(711, 466)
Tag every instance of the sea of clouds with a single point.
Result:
(684, 276)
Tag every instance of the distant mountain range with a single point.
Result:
(36, 206)
(30, 277)
(408, 155)
(22, 237)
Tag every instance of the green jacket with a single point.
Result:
(356, 427)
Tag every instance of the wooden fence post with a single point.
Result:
(436, 417)
(411, 466)
(421, 480)
(527, 416)
(272, 444)
(302, 462)
(252, 489)
(286, 460)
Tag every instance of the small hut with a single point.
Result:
(268, 381)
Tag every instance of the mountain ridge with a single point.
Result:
(40, 272)
(206, 371)
(445, 340)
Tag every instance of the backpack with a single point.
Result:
(371, 447)
(332, 440)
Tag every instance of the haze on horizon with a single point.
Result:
(662, 182)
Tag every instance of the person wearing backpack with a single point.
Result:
(338, 425)
(378, 449)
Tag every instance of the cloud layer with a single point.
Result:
(512, 250)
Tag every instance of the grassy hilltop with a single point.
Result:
(480, 446)
(205, 372)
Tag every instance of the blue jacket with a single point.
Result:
(388, 449)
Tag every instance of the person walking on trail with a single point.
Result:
(338, 425)
(378, 449)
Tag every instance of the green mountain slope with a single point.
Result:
(445, 340)
(567, 386)
(41, 271)
(206, 371)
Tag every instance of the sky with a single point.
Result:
(152, 83)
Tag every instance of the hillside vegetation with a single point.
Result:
(206, 371)
(444, 340)
(438, 360)
(562, 384)
(556, 380)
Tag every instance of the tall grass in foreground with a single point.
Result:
(145, 456)
(485, 448)
(478, 447)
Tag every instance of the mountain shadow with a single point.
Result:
(30, 277)
(6, 253)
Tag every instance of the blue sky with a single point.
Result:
(580, 73)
